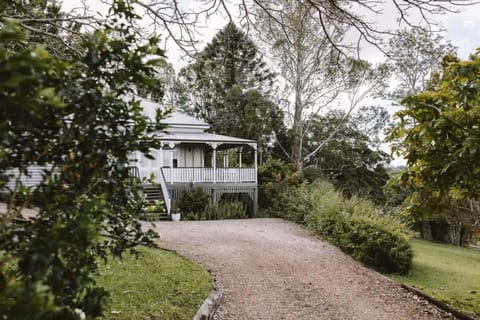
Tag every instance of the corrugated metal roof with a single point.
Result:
(178, 120)
(181, 119)
(203, 137)
(175, 118)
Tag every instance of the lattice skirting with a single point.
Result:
(217, 191)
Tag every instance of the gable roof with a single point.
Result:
(187, 129)
(175, 119)
(202, 136)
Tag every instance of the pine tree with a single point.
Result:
(224, 79)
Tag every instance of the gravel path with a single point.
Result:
(273, 269)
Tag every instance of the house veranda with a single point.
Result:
(192, 157)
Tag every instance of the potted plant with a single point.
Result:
(175, 214)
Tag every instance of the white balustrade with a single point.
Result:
(206, 175)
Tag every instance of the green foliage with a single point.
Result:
(193, 201)
(275, 178)
(438, 135)
(72, 118)
(298, 203)
(220, 211)
(348, 160)
(396, 191)
(271, 174)
(368, 239)
(249, 114)
(274, 170)
(226, 210)
(356, 226)
(43, 22)
(362, 231)
(438, 132)
(312, 174)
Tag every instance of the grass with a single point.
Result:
(448, 273)
(157, 285)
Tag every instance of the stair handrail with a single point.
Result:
(134, 171)
(166, 193)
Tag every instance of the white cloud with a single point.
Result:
(463, 30)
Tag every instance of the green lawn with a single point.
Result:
(450, 274)
(157, 285)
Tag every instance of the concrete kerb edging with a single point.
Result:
(441, 305)
(210, 304)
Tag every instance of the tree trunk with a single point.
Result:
(426, 230)
(455, 234)
(297, 148)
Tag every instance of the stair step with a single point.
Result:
(155, 216)
(152, 196)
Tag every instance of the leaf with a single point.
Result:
(48, 93)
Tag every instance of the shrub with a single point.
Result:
(274, 170)
(226, 210)
(241, 197)
(296, 204)
(367, 241)
(362, 231)
(274, 196)
(312, 174)
(220, 211)
(355, 225)
(275, 177)
(194, 201)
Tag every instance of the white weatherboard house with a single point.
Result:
(188, 158)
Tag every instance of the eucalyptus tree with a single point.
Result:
(318, 73)
(307, 62)
(414, 55)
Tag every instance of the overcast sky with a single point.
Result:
(462, 29)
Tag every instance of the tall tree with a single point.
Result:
(229, 82)
(414, 55)
(350, 160)
(71, 118)
(439, 136)
(171, 92)
(316, 72)
(306, 58)
(45, 23)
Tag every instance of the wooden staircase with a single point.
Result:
(157, 197)
(155, 203)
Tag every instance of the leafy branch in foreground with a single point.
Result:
(74, 119)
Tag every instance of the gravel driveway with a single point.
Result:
(273, 269)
